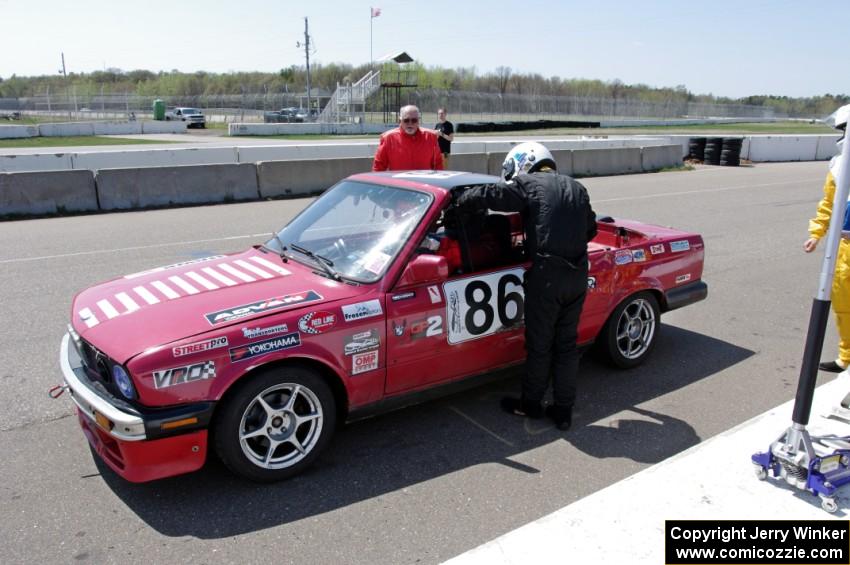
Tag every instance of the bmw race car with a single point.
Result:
(376, 295)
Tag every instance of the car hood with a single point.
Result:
(127, 315)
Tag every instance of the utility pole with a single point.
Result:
(307, 55)
(67, 89)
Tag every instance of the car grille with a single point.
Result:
(96, 363)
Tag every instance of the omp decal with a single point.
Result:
(657, 249)
(199, 346)
(174, 266)
(107, 308)
(250, 350)
(183, 285)
(483, 305)
(230, 270)
(209, 285)
(269, 265)
(128, 302)
(250, 333)
(683, 245)
(353, 312)
(317, 322)
(362, 342)
(181, 375)
(362, 362)
(639, 255)
(403, 296)
(219, 277)
(88, 317)
(254, 269)
(434, 294)
(623, 257)
(244, 310)
(683, 278)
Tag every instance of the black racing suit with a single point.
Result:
(559, 221)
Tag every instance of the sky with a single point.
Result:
(720, 47)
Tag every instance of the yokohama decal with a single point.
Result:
(262, 347)
(222, 316)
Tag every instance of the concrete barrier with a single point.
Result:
(116, 128)
(600, 162)
(307, 129)
(131, 158)
(299, 178)
(47, 192)
(18, 132)
(66, 129)
(124, 189)
(35, 162)
(783, 148)
(827, 148)
(469, 162)
(163, 127)
(660, 157)
(257, 153)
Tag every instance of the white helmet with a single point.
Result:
(527, 157)
(838, 119)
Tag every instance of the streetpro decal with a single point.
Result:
(238, 312)
(174, 266)
(182, 375)
(262, 347)
(199, 346)
(683, 245)
(623, 257)
(361, 310)
(362, 342)
(251, 333)
(317, 322)
(362, 362)
(639, 255)
(657, 249)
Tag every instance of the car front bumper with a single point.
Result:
(138, 444)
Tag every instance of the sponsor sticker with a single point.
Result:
(434, 294)
(429, 327)
(182, 375)
(403, 296)
(199, 346)
(398, 329)
(362, 342)
(375, 263)
(362, 362)
(683, 278)
(683, 245)
(639, 255)
(361, 310)
(623, 257)
(266, 346)
(591, 283)
(251, 333)
(317, 322)
(237, 312)
(174, 266)
(657, 249)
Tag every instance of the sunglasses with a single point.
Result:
(411, 120)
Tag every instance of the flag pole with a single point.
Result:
(371, 59)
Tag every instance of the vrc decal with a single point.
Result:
(182, 375)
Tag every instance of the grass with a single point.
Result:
(74, 141)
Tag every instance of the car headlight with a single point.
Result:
(123, 382)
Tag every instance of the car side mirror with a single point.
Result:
(424, 269)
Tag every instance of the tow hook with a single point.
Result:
(57, 391)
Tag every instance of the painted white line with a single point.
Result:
(165, 289)
(595, 201)
(201, 280)
(135, 248)
(184, 285)
(88, 317)
(146, 295)
(128, 302)
(254, 269)
(480, 426)
(107, 308)
(269, 265)
(231, 270)
(219, 277)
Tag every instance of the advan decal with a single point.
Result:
(237, 312)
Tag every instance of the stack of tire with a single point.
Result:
(713, 148)
(730, 154)
(696, 148)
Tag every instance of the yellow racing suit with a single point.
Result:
(818, 227)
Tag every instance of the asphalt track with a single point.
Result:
(423, 484)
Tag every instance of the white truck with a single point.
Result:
(193, 116)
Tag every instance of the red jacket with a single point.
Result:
(398, 151)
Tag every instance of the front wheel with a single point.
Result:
(276, 425)
(630, 333)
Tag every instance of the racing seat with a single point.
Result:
(493, 247)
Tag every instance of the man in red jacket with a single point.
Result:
(408, 147)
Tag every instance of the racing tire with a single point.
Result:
(629, 335)
(276, 424)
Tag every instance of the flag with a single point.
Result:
(376, 12)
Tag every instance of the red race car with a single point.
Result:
(378, 294)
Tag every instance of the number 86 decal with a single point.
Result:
(480, 306)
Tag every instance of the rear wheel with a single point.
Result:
(630, 333)
(276, 424)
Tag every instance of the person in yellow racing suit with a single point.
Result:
(818, 227)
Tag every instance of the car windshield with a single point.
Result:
(191, 111)
(358, 227)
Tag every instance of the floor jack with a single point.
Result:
(819, 465)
